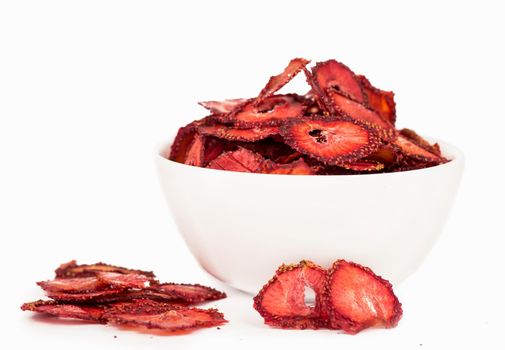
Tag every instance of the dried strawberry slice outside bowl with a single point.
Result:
(241, 226)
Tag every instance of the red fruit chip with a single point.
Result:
(288, 158)
(298, 167)
(363, 165)
(72, 270)
(343, 122)
(188, 293)
(119, 280)
(420, 141)
(272, 111)
(357, 298)
(180, 146)
(411, 149)
(382, 102)
(338, 77)
(162, 316)
(223, 107)
(195, 154)
(241, 160)
(72, 285)
(102, 280)
(80, 312)
(213, 148)
(281, 302)
(385, 154)
(234, 134)
(85, 296)
(331, 140)
(359, 112)
(278, 81)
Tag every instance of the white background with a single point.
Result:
(89, 89)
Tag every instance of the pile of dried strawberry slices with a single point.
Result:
(132, 299)
(343, 125)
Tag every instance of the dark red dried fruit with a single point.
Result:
(119, 280)
(298, 167)
(359, 112)
(382, 102)
(337, 77)
(187, 293)
(281, 302)
(357, 298)
(213, 148)
(180, 146)
(72, 285)
(331, 140)
(80, 312)
(110, 294)
(288, 158)
(278, 81)
(355, 134)
(223, 107)
(102, 280)
(385, 154)
(234, 134)
(171, 320)
(241, 160)
(420, 141)
(272, 111)
(411, 149)
(84, 296)
(195, 153)
(317, 94)
(71, 270)
(363, 165)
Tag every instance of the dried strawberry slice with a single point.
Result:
(73, 285)
(270, 148)
(357, 298)
(331, 140)
(363, 165)
(183, 294)
(337, 77)
(420, 141)
(288, 158)
(138, 306)
(386, 155)
(316, 93)
(85, 296)
(181, 319)
(241, 160)
(188, 293)
(195, 153)
(103, 280)
(213, 148)
(278, 81)
(298, 167)
(281, 302)
(273, 110)
(411, 149)
(80, 312)
(234, 134)
(163, 316)
(382, 102)
(359, 112)
(180, 146)
(119, 280)
(72, 270)
(223, 107)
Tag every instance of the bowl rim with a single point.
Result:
(454, 154)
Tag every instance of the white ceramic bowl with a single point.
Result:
(241, 226)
